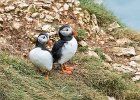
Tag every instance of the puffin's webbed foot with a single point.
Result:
(67, 69)
(46, 74)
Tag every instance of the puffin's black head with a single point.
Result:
(42, 39)
(66, 32)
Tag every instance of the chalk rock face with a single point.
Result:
(31, 18)
(135, 58)
(123, 41)
(9, 8)
(94, 54)
(108, 58)
(134, 65)
(113, 26)
(136, 78)
(66, 6)
(123, 68)
(83, 43)
(48, 28)
(111, 98)
(16, 25)
(23, 5)
(119, 51)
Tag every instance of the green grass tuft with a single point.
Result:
(99, 51)
(83, 49)
(82, 34)
(104, 17)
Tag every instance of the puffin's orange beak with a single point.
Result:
(75, 34)
(49, 43)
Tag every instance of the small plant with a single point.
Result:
(83, 49)
(82, 34)
(100, 53)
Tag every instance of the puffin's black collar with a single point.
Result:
(42, 46)
(65, 38)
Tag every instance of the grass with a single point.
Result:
(108, 82)
(19, 80)
(82, 34)
(104, 17)
(126, 33)
(91, 81)
(99, 51)
(83, 49)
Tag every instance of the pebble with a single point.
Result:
(9, 8)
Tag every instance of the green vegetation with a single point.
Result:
(127, 33)
(19, 80)
(83, 49)
(104, 17)
(100, 53)
(110, 83)
(91, 81)
(82, 34)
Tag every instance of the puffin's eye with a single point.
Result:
(44, 37)
(67, 30)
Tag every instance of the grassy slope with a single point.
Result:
(90, 81)
(19, 80)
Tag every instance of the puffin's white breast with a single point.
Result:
(68, 50)
(41, 58)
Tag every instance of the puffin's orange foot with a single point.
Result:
(68, 68)
(46, 77)
(67, 71)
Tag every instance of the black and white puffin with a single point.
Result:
(40, 56)
(65, 48)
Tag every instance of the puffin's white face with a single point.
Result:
(43, 38)
(66, 31)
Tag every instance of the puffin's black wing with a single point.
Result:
(57, 50)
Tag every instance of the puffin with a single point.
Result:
(40, 56)
(65, 48)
